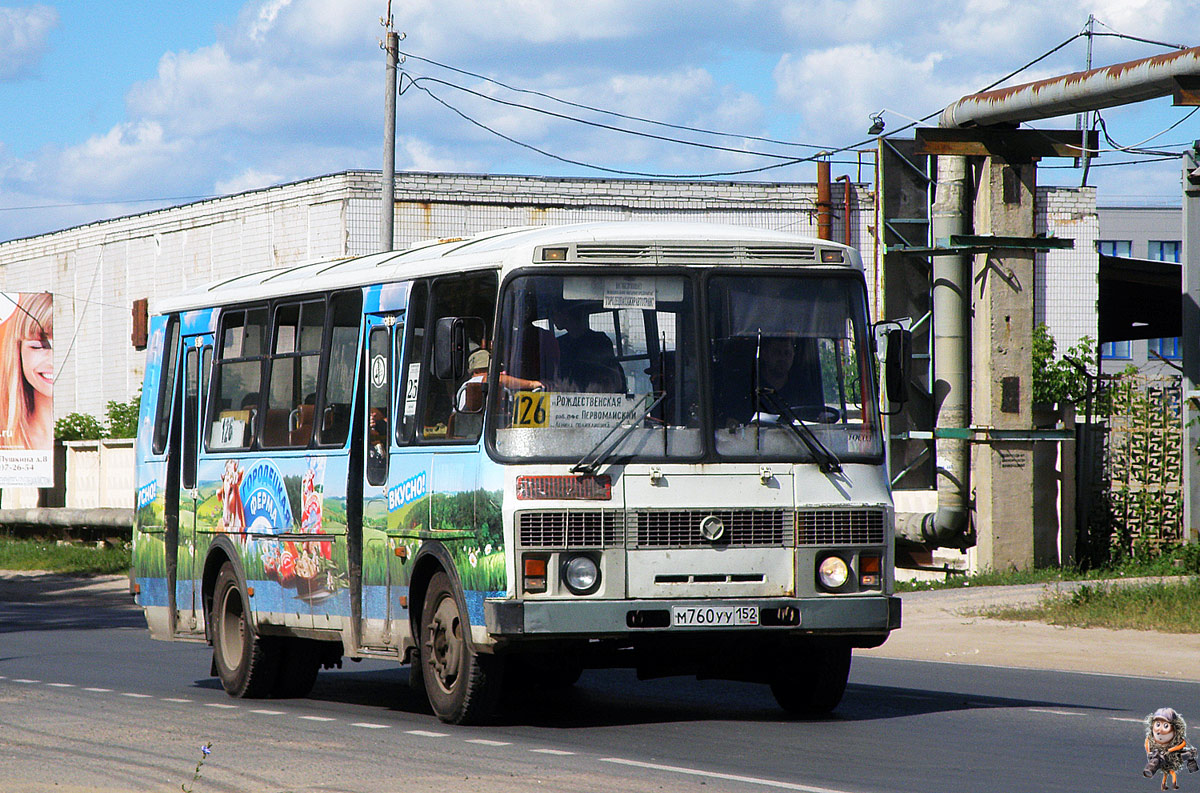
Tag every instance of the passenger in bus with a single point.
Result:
(27, 366)
(588, 361)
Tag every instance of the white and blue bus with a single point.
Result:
(522, 454)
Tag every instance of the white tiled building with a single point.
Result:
(97, 271)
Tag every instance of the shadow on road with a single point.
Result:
(62, 602)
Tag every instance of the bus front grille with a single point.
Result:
(840, 527)
(594, 528)
(743, 528)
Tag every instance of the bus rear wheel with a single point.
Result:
(461, 684)
(810, 680)
(248, 664)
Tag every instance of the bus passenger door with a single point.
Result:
(379, 605)
(196, 367)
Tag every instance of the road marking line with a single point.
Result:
(99, 690)
(428, 733)
(1119, 718)
(556, 752)
(175, 699)
(135, 696)
(61, 685)
(1056, 712)
(318, 718)
(26, 680)
(220, 705)
(266, 712)
(366, 725)
(486, 742)
(752, 780)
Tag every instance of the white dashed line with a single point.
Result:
(1056, 712)
(26, 680)
(555, 752)
(100, 690)
(220, 705)
(486, 742)
(714, 775)
(134, 695)
(428, 733)
(1119, 718)
(318, 718)
(175, 699)
(61, 685)
(266, 712)
(366, 725)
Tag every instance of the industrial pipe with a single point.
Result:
(950, 525)
(845, 178)
(1094, 89)
(824, 202)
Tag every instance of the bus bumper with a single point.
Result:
(829, 616)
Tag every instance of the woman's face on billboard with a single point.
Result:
(37, 364)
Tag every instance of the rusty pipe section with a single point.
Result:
(1094, 89)
(846, 194)
(824, 201)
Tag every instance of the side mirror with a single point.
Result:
(451, 345)
(894, 348)
(470, 397)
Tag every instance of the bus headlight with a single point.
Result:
(581, 574)
(833, 573)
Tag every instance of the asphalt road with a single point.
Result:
(89, 702)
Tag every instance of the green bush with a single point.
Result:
(78, 427)
(122, 417)
(1057, 379)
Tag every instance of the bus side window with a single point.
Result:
(473, 297)
(162, 417)
(292, 384)
(238, 379)
(346, 317)
(379, 397)
(409, 377)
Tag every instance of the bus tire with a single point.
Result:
(461, 685)
(299, 663)
(247, 663)
(811, 679)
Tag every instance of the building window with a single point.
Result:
(1164, 250)
(1116, 350)
(1114, 247)
(1167, 348)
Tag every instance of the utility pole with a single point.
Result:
(1086, 159)
(387, 209)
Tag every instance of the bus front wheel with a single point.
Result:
(461, 684)
(811, 680)
(247, 663)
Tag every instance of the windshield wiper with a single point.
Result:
(827, 461)
(584, 466)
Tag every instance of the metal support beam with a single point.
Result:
(1190, 342)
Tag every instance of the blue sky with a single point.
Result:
(113, 108)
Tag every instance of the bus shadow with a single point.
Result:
(611, 698)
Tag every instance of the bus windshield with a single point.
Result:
(583, 355)
(789, 362)
(610, 365)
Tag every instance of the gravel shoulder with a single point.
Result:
(945, 625)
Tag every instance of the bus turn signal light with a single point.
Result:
(535, 575)
(868, 571)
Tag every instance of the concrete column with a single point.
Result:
(1002, 289)
(1191, 345)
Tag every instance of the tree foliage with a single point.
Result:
(1058, 379)
(121, 421)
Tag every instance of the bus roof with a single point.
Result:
(598, 243)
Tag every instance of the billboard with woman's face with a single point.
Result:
(26, 389)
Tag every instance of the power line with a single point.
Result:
(640, 119)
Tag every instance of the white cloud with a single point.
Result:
(23, 34)
(249, 179)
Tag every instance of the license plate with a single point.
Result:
(713, 616)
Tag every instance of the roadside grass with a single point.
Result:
(19, 554)
(1181, 561)
(1168, 607)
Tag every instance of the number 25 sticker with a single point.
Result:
(531, 409)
